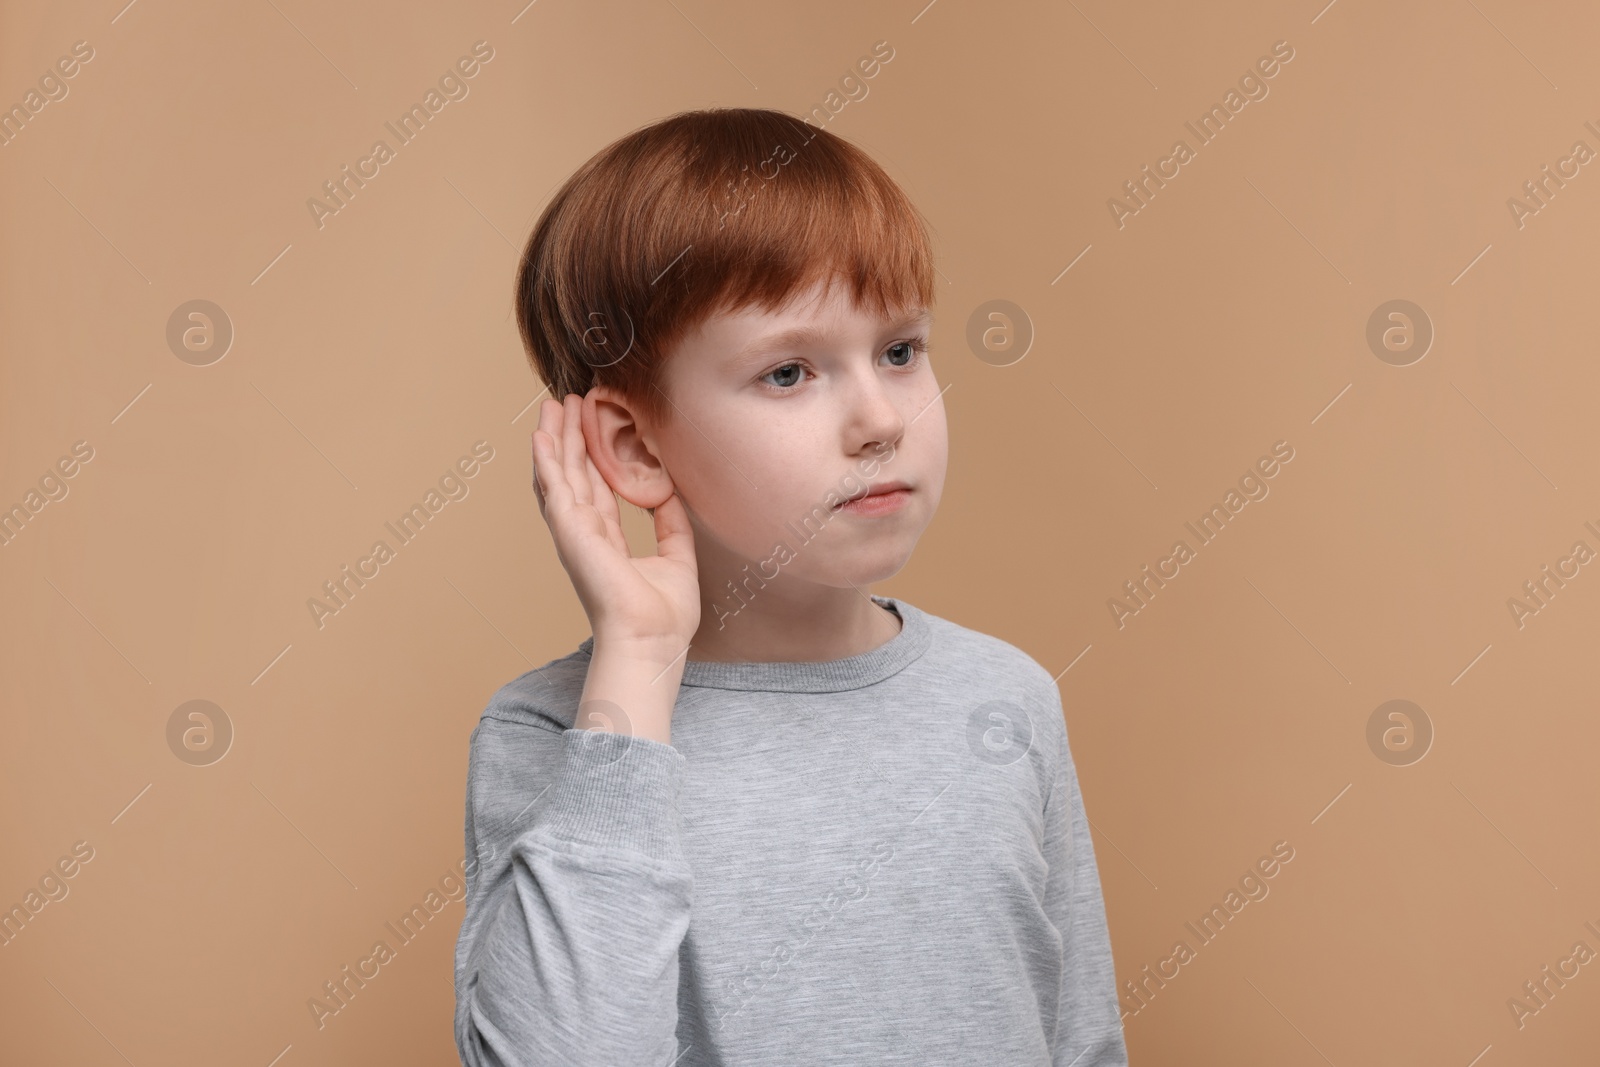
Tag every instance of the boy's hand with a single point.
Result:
(648, 603)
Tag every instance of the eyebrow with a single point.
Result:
(798, 337)
(802, 336)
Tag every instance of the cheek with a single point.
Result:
(739, 485)
(933, 446)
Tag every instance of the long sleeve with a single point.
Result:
(1088, 1024)
(569, 952)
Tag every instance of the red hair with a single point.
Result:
(706, 211)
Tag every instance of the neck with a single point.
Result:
(789, 620)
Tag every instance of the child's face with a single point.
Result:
(765, 427)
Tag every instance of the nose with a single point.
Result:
(874, 416)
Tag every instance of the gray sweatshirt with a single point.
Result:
(881, 859)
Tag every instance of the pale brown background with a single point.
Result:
(1227, 315)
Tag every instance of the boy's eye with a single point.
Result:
(783, 372)
(901, 354)
(910, 352)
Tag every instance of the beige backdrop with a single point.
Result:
(230, 463)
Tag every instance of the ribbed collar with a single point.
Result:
(828, 676)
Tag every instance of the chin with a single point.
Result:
(875, 568)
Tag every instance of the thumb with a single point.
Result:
(674, 535)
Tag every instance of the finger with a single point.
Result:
(550, 423)
(549, 416)
(556, 492)
(602, 495)
(605, 502)
(557, 420)
(574, 454)
(540, 452)
(533, 448)
(674, 535)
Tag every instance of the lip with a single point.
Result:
(875, 490)
(885, 499)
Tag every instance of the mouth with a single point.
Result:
(876, 497)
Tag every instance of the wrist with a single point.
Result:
(665, 652)
(631, 688)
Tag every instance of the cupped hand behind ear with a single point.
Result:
(644, 600)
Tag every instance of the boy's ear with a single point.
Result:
(617, 442)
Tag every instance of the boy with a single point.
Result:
(761, 817)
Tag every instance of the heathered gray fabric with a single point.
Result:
(827, 866)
